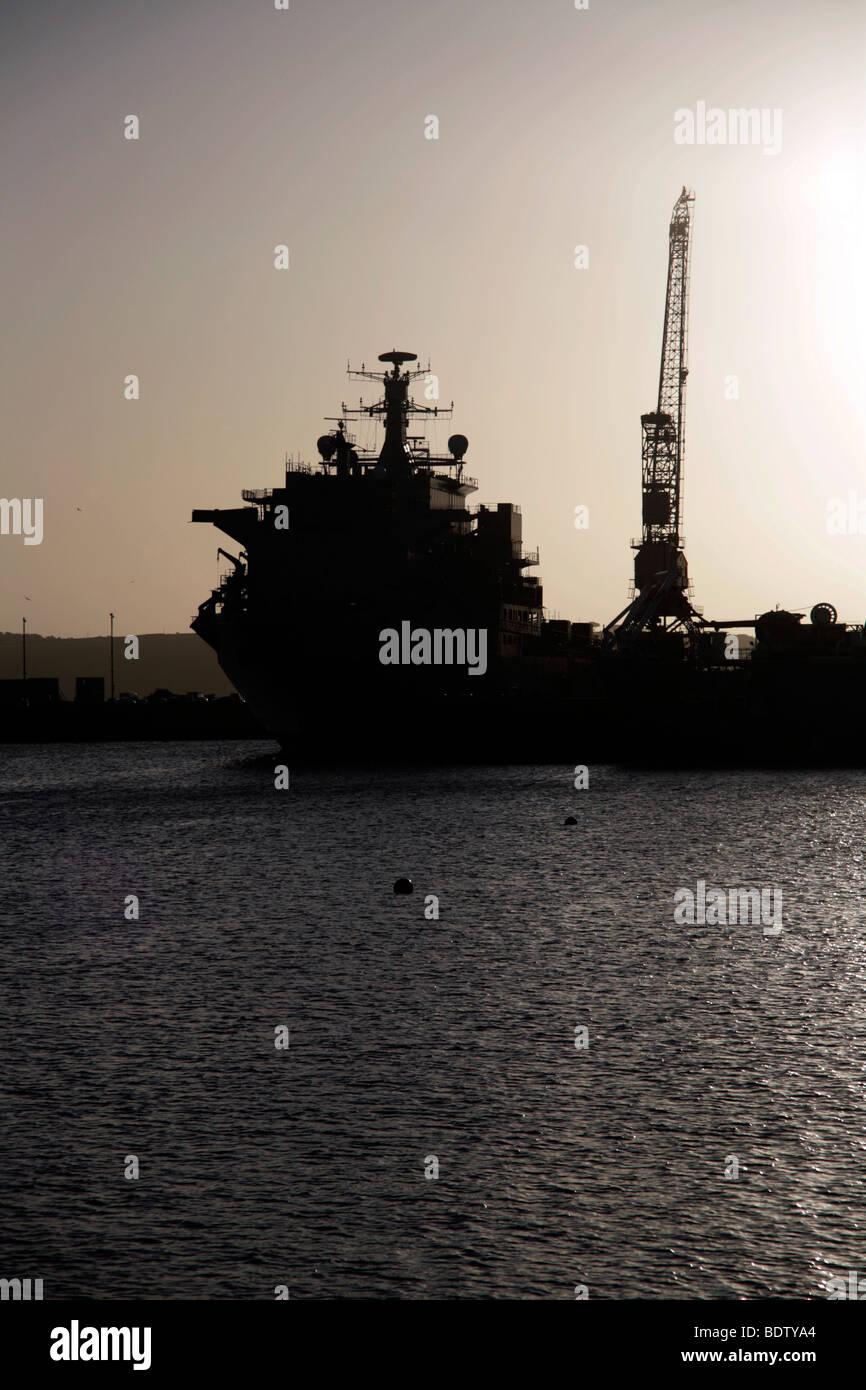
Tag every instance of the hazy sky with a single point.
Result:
(307, 127)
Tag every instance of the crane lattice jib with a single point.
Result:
(664, 432)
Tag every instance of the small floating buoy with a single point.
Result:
(571, 820)
(403, 885)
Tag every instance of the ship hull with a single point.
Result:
(638, 712)
(325, 714)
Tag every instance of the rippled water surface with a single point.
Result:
(413, 1037)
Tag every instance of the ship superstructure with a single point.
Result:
(363, 543)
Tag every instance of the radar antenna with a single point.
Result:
(395, 406)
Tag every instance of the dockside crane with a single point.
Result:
(661, 601)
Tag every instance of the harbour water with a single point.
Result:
(415, 1038)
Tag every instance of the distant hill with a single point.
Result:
(177, 661)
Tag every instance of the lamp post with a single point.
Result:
(111, 653)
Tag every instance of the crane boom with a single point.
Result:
(661, 581)
(664, 431)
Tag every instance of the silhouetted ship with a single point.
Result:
(371, 613)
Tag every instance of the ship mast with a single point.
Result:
(394, 408)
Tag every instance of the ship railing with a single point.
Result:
(479, 507)
(435, 467)
(260, 494)
(637, 541)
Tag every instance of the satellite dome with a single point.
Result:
(458, 444)
(326, 446)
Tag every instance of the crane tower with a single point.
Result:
(661, 601)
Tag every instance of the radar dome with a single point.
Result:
(326, 446)
(458, 444)
(823, 615)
